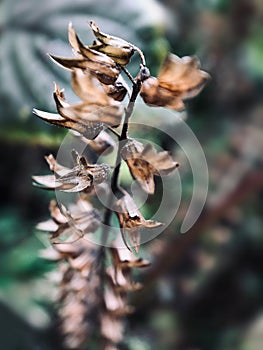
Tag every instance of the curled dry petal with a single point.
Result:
(99, 64)
(145, 162)
(117, 91)
(82, 176)
(131, 220)
(102, 144)
(106, 75)
(88, 129)
(90, 90)
(103, 111)
(118, 49)
(178, 80)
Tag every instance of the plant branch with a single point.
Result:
(114, 132)
(115, 177)
(140, 54)
(129, 75)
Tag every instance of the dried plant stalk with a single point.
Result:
(93, 295)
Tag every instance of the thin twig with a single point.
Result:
(115, 179)
(129, 75)
(114, 132)
(140, 54)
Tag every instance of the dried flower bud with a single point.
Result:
(178, 80)
(145, 162)
(118, 49)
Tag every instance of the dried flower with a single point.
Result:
(88, 129)
(87, 59)
(178, 80)
(118, 49)
(145, 162)
(92, 295)
(82, 176)
(74, 223)
(105, 110)
(131, 220)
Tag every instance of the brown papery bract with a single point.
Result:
(145, 162)
(131, 220)
(179, 79)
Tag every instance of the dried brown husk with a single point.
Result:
(104, 110)
(145, 162)
(131, 220)
(81, 177)
(117, 91)
(88, 129)
(102, 144)
(118, 49)
(179, 79)
(87, 59)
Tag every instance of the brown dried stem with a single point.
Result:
(115, 177)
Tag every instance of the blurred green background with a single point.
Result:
(204, 289)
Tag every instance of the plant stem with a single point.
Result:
(115, 178)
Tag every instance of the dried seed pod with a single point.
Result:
(179, 79)
(88, 129)
(117, 91)
(99, 64)
(145, 162)
(101, 112)
(118, 49)
(131, 220)
(82, 176)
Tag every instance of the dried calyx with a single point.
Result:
(93, 296)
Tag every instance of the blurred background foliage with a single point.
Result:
(204, 289)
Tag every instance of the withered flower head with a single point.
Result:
(97, 106)
(145, 162)
(82, 176)
(118, 49)
(178, 80)
(71, 224)
(87, 59)
(89, 116)
(131, 220)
